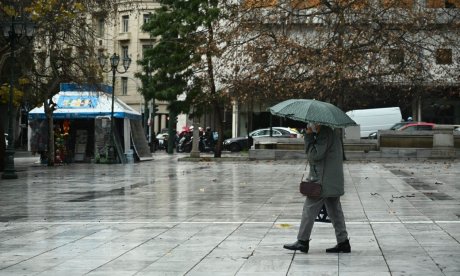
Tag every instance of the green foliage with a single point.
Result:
(5, 92)
(182, 30)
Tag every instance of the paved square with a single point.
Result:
(165, 217)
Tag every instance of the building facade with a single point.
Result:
(121, 33)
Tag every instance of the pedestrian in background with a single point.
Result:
(325, 155)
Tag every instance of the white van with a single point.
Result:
(374, 119)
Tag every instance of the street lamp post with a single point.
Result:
(114, 61)
(12, 31)
(151, 113)
(145, 82)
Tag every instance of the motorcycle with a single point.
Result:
(185, 144)
(206, 145)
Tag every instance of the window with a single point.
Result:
(435, 3)
(424, 128)
(405, 4)
(260, 3)
(146, 48)
(125, 23)
(356, 4)
(101, 27)
(66, 57)
(147, 17)
(82, 53)
(41, 59)
(409, 128)
(260, 55)
(396, 56)
(82, 31)
(124, 86)
(443, 56)
(452, 4)
(443, 3)
(124, 52)
(305, 4)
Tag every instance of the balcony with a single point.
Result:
(145, 36)
(123, 36)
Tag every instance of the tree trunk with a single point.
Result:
(215, 102)
(220, 129)
(49, 118)
(2, 147)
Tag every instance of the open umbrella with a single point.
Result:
(312, 111)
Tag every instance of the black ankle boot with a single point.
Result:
(343, 247)
(298, 245)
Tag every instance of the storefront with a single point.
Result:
(82, 127)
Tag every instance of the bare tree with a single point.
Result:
(346, 52)
(65, 50)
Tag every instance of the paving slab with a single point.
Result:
(167, 217)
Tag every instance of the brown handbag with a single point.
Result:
(310, 188)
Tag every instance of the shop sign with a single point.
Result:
(77, 102)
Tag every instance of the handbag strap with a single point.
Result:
(306, 165)
(324, 161)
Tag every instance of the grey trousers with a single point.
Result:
(311, 209)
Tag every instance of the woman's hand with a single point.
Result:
(313, 128)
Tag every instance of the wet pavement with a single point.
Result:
(165, 217)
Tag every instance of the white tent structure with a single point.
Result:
(76, 102)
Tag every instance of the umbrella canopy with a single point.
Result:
(312, 111)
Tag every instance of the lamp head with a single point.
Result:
(102, 59)
(114, 60)
(30, 29)
(6, 26)
(18, 28)
(126, 62)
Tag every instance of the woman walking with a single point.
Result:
(325, 155)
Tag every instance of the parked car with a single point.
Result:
(244, 143)
(416, 126)
(396, 126)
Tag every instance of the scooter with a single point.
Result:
(205, 145)
(185, 144)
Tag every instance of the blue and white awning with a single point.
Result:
(86, 105)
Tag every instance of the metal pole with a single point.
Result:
(112, 144)
(152, 114)
(171, 131)
(10, 172)
(152, 122)
(146, 121)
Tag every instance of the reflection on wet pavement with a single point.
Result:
(91, 195)
(429, 187)
(165, 217)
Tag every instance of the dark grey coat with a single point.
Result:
(325, 155)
